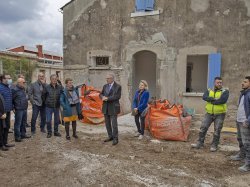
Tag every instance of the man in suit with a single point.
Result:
(111, 93)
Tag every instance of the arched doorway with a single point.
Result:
(144, 68)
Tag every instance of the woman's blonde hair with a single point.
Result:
(145, 84)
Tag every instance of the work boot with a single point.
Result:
(197, 145)
(74, 130)
(244, 168)
(67, 130)
(115, 141)
(239, 156)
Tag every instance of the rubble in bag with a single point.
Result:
(91, 105)
(167, 122)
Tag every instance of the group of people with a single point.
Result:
(216, 108)
(53, 99)
(47, 100)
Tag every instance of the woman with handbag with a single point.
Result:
(140, 104)
(70, 103)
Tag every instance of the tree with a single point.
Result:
(21, 66)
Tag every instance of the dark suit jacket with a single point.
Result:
(112, 105)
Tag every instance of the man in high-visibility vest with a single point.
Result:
(216, 109)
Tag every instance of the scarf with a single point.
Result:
(72, 96)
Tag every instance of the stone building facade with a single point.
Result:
(176, 47)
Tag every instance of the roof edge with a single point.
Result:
(66, 4)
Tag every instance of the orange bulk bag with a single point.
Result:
(91, 105)
(166, 122)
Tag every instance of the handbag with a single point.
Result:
(144, 112)
(134, 113)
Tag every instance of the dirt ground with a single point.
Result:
(88, 161)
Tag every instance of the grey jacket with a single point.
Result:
(36, 93)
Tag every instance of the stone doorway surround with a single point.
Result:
(165, 67)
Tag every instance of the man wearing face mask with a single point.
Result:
(5, 91)
(20, 103)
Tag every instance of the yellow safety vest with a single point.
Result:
(216, 109)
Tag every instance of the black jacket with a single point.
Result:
(52, 95)
(112, 105)
(19, 98)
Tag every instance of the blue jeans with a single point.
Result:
(35, 111)
(49, 113)
(218, 120)
(19, 125)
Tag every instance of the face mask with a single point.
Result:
(9, 81)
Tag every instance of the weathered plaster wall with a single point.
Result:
(183, 27)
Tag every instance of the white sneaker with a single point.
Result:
(140, 137)
(137, 134)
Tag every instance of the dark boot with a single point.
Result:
(74, 129)
(67, 130)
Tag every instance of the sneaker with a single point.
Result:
(49, 135)
(140, 137)
(239, 156)
(244, 168)
(197, 145)
(137, 134)
(3, 148)
(108, 139)
(213, 148)
(57, 134)
(8, 145)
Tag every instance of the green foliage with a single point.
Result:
(22, 66)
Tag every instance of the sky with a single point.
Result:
(31, 22)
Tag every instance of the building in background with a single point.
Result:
(46, 61)
(178, 46)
